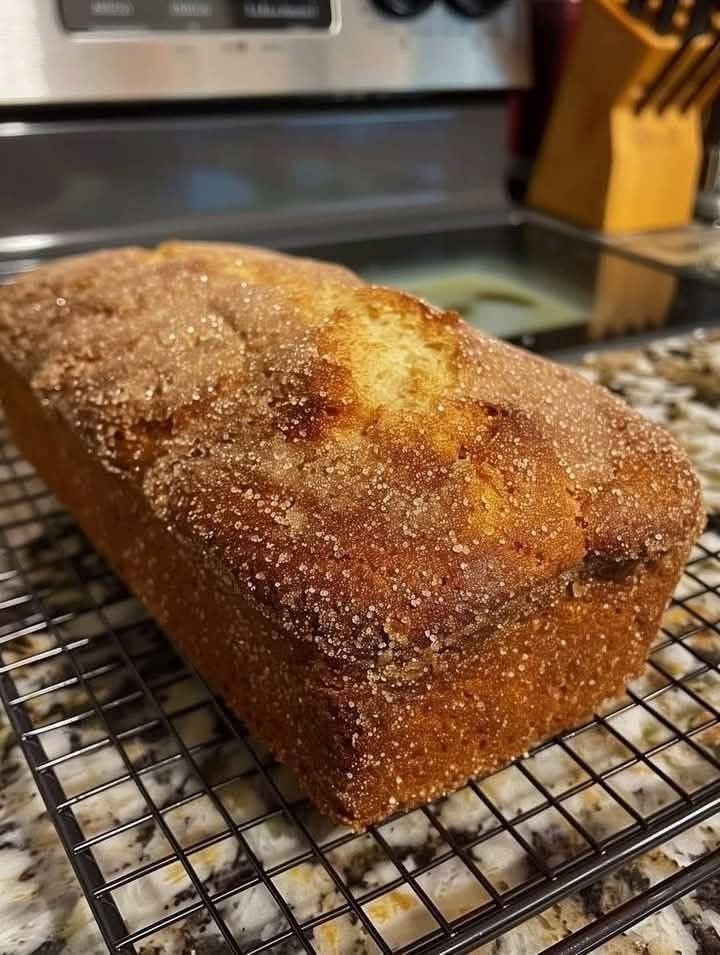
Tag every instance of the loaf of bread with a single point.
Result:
(401, 550)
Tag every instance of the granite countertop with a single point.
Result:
(676, 382)
(43, 912)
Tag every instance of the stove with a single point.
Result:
(61, 51)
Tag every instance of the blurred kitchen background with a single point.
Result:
(539, 167)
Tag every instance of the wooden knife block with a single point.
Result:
(603, 164)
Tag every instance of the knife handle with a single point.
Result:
(695, 88)
(707, 91)
(673, 78)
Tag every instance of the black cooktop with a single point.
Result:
(550, 290)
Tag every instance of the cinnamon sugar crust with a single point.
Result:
(391, 501)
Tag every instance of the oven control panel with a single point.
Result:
(195, 15)
(73, 51)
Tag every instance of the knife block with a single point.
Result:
(605, 163)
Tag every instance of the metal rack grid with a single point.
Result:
(176, 821)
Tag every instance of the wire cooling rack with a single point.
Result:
(186, 835)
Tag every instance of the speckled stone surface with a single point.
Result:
(41, 906)
(676, 382)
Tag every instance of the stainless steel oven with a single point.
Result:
(62, 51)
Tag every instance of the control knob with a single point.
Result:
(402, 8)
(475, 9)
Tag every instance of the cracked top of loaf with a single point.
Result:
(370, 472)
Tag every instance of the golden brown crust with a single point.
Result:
(402, 550)
(371, 473)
